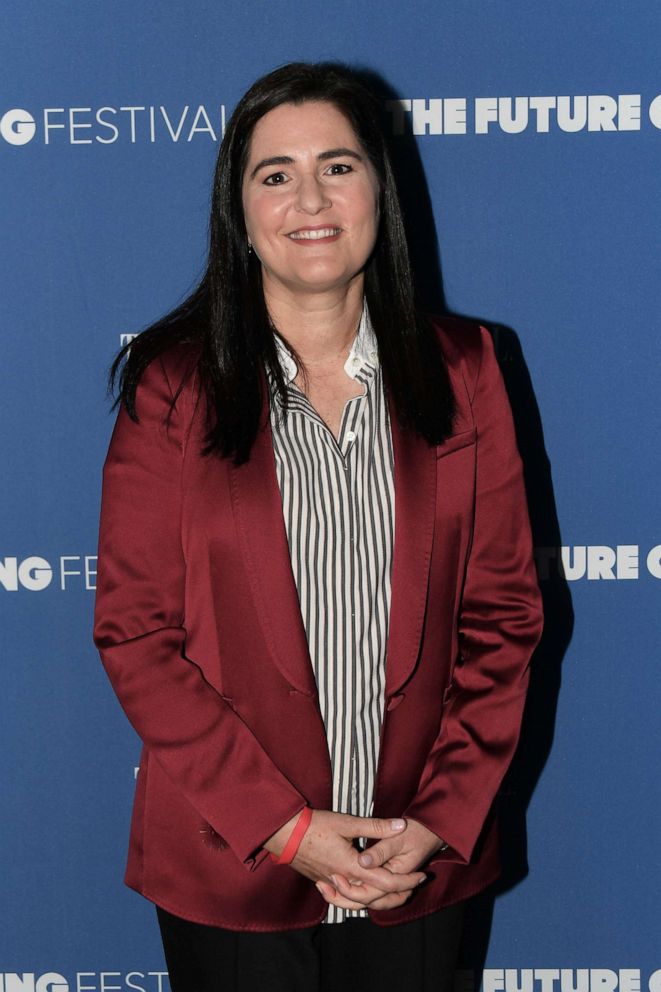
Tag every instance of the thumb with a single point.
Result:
(373, 857)
(377, 828)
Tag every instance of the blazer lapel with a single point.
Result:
(261, 528)
(415, 512)
(257, 509)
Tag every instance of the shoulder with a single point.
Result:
(164, 400)
(175, 364)
(170, 377)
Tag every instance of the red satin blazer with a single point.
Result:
(200, 631)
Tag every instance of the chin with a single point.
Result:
(316, 276)
(325, 277)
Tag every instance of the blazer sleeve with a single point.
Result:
(201, 743)
(499, 626)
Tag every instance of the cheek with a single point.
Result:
(366, 219)
(365, 208)
(262, 215)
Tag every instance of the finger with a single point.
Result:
(347, 900)
(333, 898)
(343, 903)
(377, 855)
(391, 901)
(387, 881)
(363, 894)
(326, 890)
(366, 895)
(397, 866)
(372, 826)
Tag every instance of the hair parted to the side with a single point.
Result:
(225, 319)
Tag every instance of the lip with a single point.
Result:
(315, 235)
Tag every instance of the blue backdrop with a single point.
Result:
(538, 130)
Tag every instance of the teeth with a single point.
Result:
(324, 232)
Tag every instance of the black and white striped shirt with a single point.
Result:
(338, 503)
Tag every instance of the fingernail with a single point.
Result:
(333, 880)
(318, 887)
(365, 860)
(397, 824)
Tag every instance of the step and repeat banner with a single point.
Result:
(528, 135)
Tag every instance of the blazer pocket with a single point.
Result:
(455, 442)
(211, 838)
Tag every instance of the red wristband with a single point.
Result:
(295, 838)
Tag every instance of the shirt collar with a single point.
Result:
(364, 354)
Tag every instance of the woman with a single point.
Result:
(316, 600)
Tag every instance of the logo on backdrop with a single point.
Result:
(559, 980)
(136, 124)
(17, 127)
(592, 562)
(494, 980)
(151, 123)
(34, 574)
(519, 114)
(84, 981)
(598, 561)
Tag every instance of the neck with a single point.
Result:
(320, 327)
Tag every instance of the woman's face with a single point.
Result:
(310, 199)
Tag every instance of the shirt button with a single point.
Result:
(355, 361)
(351, 436)
(372, 355)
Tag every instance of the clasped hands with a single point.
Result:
(382, 877)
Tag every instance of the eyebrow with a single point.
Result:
(321, 157)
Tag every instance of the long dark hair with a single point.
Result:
(226, 316)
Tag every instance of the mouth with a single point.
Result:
(314, 233)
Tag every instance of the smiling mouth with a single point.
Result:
(316, 234)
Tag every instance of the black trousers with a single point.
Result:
(355, 956)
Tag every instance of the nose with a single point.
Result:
(312, 196)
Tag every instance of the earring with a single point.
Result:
(250, 247)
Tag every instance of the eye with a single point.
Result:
(339, 169)
(275, 179)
